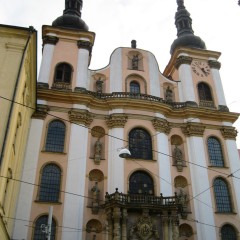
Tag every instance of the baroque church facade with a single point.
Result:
(128, 152)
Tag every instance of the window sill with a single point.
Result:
(212, 166)
(226, 213)
(47, 202)
(61, 153)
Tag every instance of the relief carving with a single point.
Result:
(161, 125)
(229, 133)
(85, 45)
(50, 40)
(116, 120)
(193, 129)
(80, 117)
(182, 60)
(214, 64)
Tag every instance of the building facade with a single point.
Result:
(18, 78)
(180, 181)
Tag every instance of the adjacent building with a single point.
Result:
(181, 179)
(18, 77)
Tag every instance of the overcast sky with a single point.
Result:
(151, 23)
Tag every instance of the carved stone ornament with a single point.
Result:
(97, 132)
(229, 133)
(116, 120)
(182, 60)
(50, 40)
(214, 64)
(161, 125)
(80, 117)
(193, 129)
(85, 44)
(41, 112)
(144, 228)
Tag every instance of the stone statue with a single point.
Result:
(98, 151)
(99, 85)
(169, 95)
(95, 190)
(178, 158)
(135, 61)
(182, 197)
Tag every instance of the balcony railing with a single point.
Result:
(61, 86)
(205, 103)
(141, 199)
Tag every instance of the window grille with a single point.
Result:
(140, 144)
(215, 152)
(55, 136)
(141, 183)
(222, 196)
(228, 233)
(50, 183)
(38, 233)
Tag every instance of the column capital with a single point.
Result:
(214, 64)
(193, 129)
(41, 112)
(161, 125)
(80, 117)
(85, 45)
(183, 60)
(116, 120)
(229, 132)
(50, 40)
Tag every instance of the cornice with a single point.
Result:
(80, 117)
(116, 120)
(107, 104)
(161, 125)
(229, 132)
(193, 129)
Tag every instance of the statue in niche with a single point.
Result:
(178, 158)
(95, 190)
(99, 85)
(135, 61)
(169, 94)
(182, 197)
(98, 151)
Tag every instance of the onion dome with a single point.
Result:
(185, 33)
(71, 17)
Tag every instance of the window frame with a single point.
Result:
(137, 85)
(233, 228)
(137, 144)
(51, 146)
(65, 66)
(41, 196)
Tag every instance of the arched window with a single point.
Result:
(63, 73)
(134, 87)
(204, 92)
(215, 152)
(38, 233)
(222, 196)
(49, 189)
(228, 232)
(141, 183)
(55, 136)
(140, 144)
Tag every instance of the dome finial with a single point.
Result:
(71, 17)
(185, 33)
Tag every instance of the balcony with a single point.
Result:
(206, 104)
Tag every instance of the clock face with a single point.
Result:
(201, 69)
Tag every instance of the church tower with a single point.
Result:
(128, 152)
